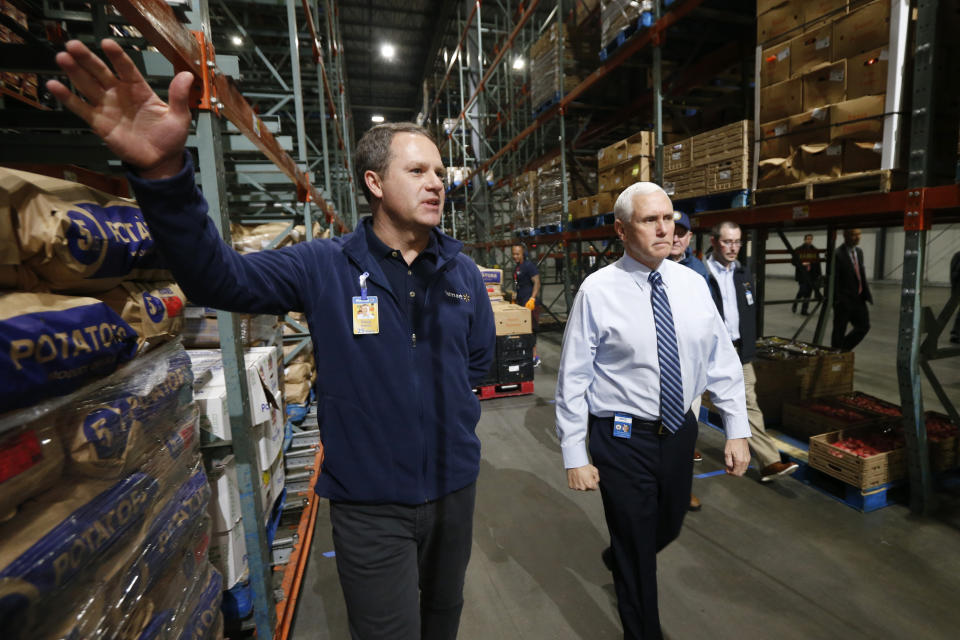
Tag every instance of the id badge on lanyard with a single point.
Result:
(366, 313)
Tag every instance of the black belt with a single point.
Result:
(738, 345)
(652, 426)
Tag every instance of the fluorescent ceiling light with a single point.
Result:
(387, 50)
(237, 40)
(518, 63)
(377, 118)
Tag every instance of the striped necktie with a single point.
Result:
(671, 383)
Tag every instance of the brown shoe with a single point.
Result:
(773, 471)
(695, 503)
(697, 457)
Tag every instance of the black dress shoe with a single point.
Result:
(607, 556)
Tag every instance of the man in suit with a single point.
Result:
(851, 295)
(955, 287)
(731, 285)
(807, 260)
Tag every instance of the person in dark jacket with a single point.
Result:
(807, 273)
(731, 285)
(395, 405)
(955, 288)
(851, 295)
(526, 289)
(682, 253)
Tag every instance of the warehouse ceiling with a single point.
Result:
(377, 85)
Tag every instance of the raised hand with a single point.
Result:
(121, 108)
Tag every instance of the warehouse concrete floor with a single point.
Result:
(759, 561)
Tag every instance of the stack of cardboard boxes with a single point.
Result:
(513, 361)
(619, 165)
(715, 161)
(25, 84)
(581, 181)
(553, 67)
(823, 80)
(617, 15)
(525, 200)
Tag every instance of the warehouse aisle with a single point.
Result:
(759, 561)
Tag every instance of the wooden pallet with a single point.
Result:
(880, 181)
(504, 390)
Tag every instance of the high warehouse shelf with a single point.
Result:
(503, 136)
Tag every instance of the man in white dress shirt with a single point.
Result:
(615, 385)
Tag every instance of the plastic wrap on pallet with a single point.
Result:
(617, 15)
(77, 239)
(51, 345)
(252, 238)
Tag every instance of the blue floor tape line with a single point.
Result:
(710, 474)
(329, 554)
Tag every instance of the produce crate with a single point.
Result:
(790, 371)
(677, 156)
(942, 438)
(732, 174)
(729, 142)
(816, 416)
(863, 401)
(864, 472)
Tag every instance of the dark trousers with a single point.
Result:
(854, 312)
(402, 567)
(804, 291)
(645, 484)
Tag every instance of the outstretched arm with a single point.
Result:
(120, 107)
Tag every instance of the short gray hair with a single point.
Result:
(623, 208)
(373, 149)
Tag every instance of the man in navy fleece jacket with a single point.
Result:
(395, 403)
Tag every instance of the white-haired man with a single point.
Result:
(643, 339)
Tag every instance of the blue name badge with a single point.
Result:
(622, 425)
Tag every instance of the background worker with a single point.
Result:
(526, 287)
(807, 274)
(642, 341)
(396, 404)
(852, 294)
(734, 294)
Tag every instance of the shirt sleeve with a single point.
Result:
(725, 383)
(573, 380)
(211, 272)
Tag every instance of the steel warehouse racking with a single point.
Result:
(495, 132)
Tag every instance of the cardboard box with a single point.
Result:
(774, 141)
(776, 64)
(723, 143)
(228, 553)
(867, 73)
(214, 414)
(640, 144)
(637, 170)
(816, 13)
(728, 175)
(858, 119)
(810, 417)
(861, 156)
(225, 494)
(601, 203)
(609, 180)
(263, 387)
(781, 100)
(788, 371)
(677, 156)
(820, 160)
(776, 172)
(511, 319)
(811, 50)
(863, 30)
(765, 5)
(689, 183)
(579, 208)
(825, 85)
(493, 281)
(780, 22)
(612, 155)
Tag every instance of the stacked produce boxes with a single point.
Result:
(513, 361)
(823, 80)
(618, 166)
(715, 161)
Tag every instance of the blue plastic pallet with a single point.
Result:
(593, 221)
(643, 22)
(524, 231)
(549, 228)
(737, 199)
(547, 104)
(865, 500)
